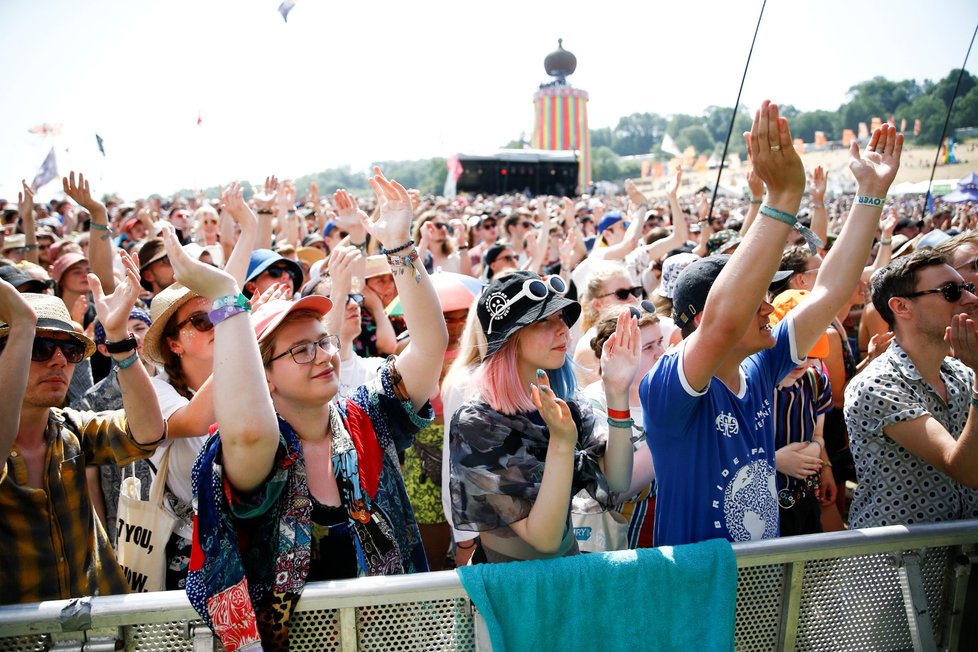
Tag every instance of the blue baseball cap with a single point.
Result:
(262, 259)
(610, 219)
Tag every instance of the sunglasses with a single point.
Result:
(527, 225)
(535, 289)
(199, 320)
(952, 292)
(278, 272)
(624, 293)
(43, 349)
(444, 227)
(647, 307)
(305, 353)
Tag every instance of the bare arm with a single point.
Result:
(839, 274)
(820, 216)
(15, 361)
(25, 208)
(756, 195)
(741, 286)
(885, 251)
(237, 262)
(99, 243)
(195, 418)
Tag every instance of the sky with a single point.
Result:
(349, 83)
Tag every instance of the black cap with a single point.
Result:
(492, 253)
(525, 311)
(22, 281)
(694, 283)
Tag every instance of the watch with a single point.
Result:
(122, 346)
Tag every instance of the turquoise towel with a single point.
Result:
(669, 598)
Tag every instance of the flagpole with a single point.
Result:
(733, 116)
(947, 119)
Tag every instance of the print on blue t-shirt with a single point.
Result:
(713, 451)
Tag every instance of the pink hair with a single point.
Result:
(498, 380)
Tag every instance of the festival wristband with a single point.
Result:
(128, 361)
(95, 226)
(619, 414)
(625, 424)
(867, 200)
(813, 241)
(228, 306)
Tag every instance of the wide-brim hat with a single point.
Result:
(164, 306)
(694, 283)
(309, 255)
(270, 314)
(52, 317)
(376, 266)
(14, 241)
(523, 312)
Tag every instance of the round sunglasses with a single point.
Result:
(534, 289)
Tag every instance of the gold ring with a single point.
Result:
(775, 148)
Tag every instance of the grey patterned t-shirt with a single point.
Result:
(895, 486)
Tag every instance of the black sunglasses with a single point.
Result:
(199, 320)
(43, 349)
(647, 306)
(277, 272)
(624, 293)
(952, 292)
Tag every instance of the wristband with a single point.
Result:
(757, 202)
(230, 300)
(31, 247)
(265, 211)
(409, 259)
(94, 226)
(867, 200)
(406, 245)
(621, 423)
(122, 346)
(619, 414)
(886, 241)
(814, 242)
(129, 361)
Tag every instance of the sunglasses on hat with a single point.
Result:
(534, 289)
(952, 292)
(44, 347)
(647, 307)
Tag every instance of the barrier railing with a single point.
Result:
(883, 588)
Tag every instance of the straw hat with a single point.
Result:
(377, 266)
(52, 316)
(165, 305)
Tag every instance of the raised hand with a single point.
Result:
(201, 278)
(233, 200)
(775, 160)
(271, 293)
(554, 411)
(78, 308)
(113, 309)
(634, 194)
(81, 192)
(265, 199)
(25, 202)
(672, 188)
(348, 211)
(343, 262)
(14, 309)
(876, 168)
(620, 355)
(963, 339)
(888, 224)
(817, 185)
(394, 216)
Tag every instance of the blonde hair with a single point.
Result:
(447, 245)
(594, 286)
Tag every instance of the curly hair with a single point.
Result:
(609, 321)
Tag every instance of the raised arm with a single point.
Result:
(680, 228)
(247, 221)
(838, 275)
(15, 361)
(820, 216)
(634, 231)
(417, 364)
(741, 286)
(885, 251)
(249, 437)
(100, 242)
(25, 208)
(756, 199)
(341, 265)
(138, 397)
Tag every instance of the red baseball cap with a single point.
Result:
(270, 314)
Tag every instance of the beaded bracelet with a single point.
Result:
(407, 260)
(128, 361)
(813, 241)
(406, 245)
(867, 200)
(621, 423)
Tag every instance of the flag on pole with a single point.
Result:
(48, 171)
(101, 147)
(285, 8)
(669, 146)
(454, 172)
(199, 119)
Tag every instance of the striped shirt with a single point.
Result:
(796, 408)
(52, 545)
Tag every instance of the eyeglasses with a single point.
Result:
(199, 320)
(356, 298)
(44, 347)
(277, 272)
(951, 292)
(305, 353)
(489, 225)
(972, 264)
(623, 293)
(535, 289)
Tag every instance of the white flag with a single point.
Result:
(48, 171)
(669, 146)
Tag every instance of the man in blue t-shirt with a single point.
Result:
(707, 403)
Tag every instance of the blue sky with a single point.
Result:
(351, 83)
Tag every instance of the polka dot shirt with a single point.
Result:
(895, 486)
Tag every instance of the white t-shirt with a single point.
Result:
(183, 451)
(356, 371)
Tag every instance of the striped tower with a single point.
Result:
(560, 114)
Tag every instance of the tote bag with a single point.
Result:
(144, 528)
(600, 532)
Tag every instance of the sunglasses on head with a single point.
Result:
(952, 292)
(535, 289)
(199, 320)
(44, 347)
(624, 293)
(647, 308)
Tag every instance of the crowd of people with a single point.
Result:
(342, 386)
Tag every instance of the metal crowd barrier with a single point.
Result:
(891, 588)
